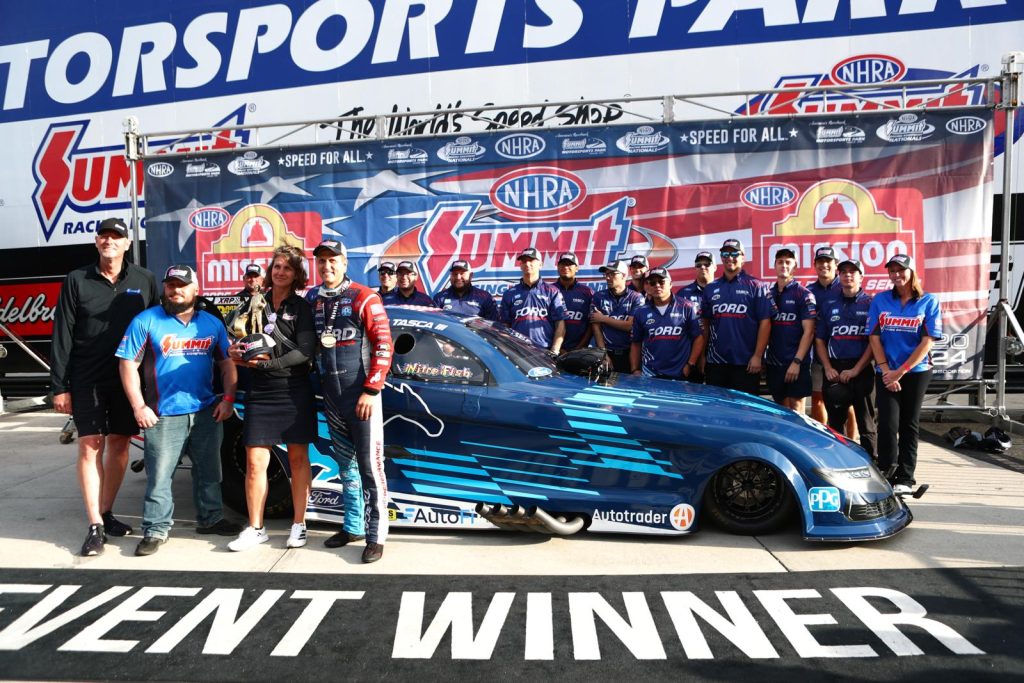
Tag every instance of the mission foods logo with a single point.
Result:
(538, 192)
(71, 177)
(847, 217)
(250, 236)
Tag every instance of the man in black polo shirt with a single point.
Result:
(96, 304)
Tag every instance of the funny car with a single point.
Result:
(484, 431)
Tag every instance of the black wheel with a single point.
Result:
(232, 460)
(749, 497)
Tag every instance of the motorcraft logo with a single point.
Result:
(249, 163)
(581, 143)
(907, 128)
(538, 192)
(520, 146)
(201, 168)
(452, 232)
(644, 140)
(160, 169)
(82, 180)
(405, 154)
(460, 150)
(838, 133)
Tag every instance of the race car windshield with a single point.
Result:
(531, 360)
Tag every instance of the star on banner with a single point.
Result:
(386, 181)
(269, 189)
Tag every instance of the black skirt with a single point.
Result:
(279, 411)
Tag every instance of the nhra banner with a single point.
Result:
(869, 185)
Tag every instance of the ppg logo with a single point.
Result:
(823, 499)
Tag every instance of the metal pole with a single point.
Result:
(131, 152)
(1013, 64)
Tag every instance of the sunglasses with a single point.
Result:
(656, 281)
(730, 254)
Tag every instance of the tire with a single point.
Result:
(232, 460)
(749, 497)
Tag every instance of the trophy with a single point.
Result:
(244, 325)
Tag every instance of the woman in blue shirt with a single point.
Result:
(904, 324)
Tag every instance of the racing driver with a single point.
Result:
(353, 357)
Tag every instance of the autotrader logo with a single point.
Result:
(823, 499)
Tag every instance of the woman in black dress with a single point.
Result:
(279, 406)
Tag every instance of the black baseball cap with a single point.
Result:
(824, 252)
(732, 244)
(704, 256)
(570, 257)
(406, 265)
(528, 253)
(253, 269)
(901, 260)
(113, 225)
(852, 262)
(785, 253)
(638, 260)
(657, 273)
(460, 265)
(333, 246)
(180, 272)
(386, 265)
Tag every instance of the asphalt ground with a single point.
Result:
(943, 600)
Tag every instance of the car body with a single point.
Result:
(484, 431)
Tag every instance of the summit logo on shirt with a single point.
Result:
(172, 345)
(900, 323)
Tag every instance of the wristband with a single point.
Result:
(370, 391)
(798, 361)
(882, 363)
(904, 369)
(228, 398)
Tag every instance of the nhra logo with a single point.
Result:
(249, 163)
(520, 146)
(581, 143)
(644, 140)
(868, 70)
(823, 499)
(966, 125)
(90, 180)
(539, 192)
(907, 128)
(769, 195)
(209, 218)
(160, 169)
(460, 150)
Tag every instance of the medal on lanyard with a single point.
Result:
(328, 340)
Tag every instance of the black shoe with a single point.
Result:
(115, 527)
(149, 545)
(342, 538)
(373, 552)
(94, 541)
(221, 527)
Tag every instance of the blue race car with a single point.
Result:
(484, 430)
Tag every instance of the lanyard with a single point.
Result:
(272, 318)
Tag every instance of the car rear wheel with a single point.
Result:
(749, 497)
(232, 460)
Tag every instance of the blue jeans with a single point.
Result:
(199, 436)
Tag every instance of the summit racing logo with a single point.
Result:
(644, 140)
(172, 345)
(452, 233)
(461, 149)
(907, 128)
(96, 180)
(885, 71)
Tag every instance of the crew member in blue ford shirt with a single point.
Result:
(177, 347)
(462, 296)
(903, 324)
(612, 317)
(534, 308)
(405, 293)
(638, 267)
(789, 346)
(737, 311)
(842, 345)
(704, 272)
(388, 277)
(824, 288)
(666, 338)
(578, 299)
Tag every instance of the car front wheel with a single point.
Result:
(749, 497)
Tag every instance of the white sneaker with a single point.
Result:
(249, 538)
(297, 538)
(900, 489)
